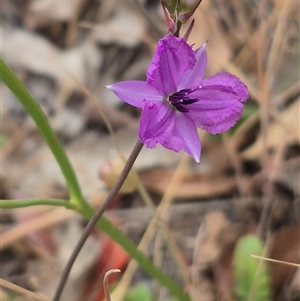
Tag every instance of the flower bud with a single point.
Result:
(178, 12)
(187, 9)
(169, 9)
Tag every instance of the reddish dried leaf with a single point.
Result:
(285, 246)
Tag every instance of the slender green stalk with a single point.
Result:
(76, 202)
(146, 264)
(113, 232)
(42, 123)
(96, 218)
(22, 203)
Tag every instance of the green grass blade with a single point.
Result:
(34, 110)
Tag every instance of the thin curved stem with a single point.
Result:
(77, 202)
(42, 123)
(93, 221)
(145, 263)
(12, 204)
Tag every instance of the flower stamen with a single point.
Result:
(180, 99)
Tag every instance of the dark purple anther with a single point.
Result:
(180, 99)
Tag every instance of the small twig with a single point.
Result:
(21, 290)
(86, 232)
(277, 261)
(105, 283)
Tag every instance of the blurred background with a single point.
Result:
(248, 178)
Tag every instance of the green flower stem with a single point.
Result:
(113, 232)
(12, 204)
(77, 202)
(146, 264)
(42, 123)
(96, 219)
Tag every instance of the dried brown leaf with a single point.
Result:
(42, 57)
(43, 12)
(125, 27)
(285, 246)
(193, 185)
(285, 129)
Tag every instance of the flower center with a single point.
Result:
(179, 100)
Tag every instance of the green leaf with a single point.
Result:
(140, 292)
(173, 298)
(36, 113)
(3, 140)
(251, 274)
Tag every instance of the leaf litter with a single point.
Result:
(224, 197)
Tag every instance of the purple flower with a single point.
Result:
(176, 100)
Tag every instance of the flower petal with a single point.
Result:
(228, 80)
(193, 78)
(135, 92)
(157, 126)
(217, 110)
(172, 58)
(187, 130)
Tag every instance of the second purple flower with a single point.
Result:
(176, 100)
